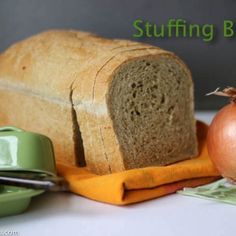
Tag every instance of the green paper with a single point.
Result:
(220, 190)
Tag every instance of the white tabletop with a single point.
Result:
(68, 214)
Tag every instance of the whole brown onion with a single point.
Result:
(221, 138)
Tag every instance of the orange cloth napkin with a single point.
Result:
(145, 183)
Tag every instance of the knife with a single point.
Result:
(35, 180)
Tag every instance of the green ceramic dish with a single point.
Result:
(15, 200)
(23, 151)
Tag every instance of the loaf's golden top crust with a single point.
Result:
(53, 62)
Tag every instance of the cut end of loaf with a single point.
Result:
(150, 101)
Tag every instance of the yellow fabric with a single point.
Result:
(142, 184)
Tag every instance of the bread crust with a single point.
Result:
(37, 76)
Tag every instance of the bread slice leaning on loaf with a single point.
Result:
(109, 104)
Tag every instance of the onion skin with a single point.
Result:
(221, 141)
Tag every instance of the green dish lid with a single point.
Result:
(26, 151)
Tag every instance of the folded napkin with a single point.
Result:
(145, 183)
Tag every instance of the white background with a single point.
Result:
(68, 214)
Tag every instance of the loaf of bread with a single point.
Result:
(109, 104)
